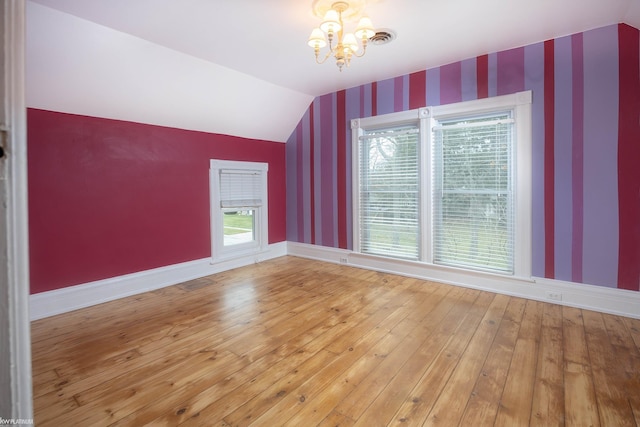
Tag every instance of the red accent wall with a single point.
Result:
(109, 197)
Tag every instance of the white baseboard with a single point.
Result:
(598, 298)
(63, 300)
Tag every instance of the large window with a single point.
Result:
(238, 208)
(447, 185)
(473, 193)
(389, 202)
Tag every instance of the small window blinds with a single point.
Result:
(240, 188)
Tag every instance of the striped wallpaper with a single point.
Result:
(586, 149)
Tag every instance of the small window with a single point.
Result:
(239, 214)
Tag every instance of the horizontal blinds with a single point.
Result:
(389, 212)
(389, 133)
(240, 188)
(473, 206)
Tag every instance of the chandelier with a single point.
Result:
(342, 46)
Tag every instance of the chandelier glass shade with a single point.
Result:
(342, 46)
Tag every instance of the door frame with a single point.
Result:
(15, 337)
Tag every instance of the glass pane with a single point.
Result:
(474, 232)
(389, 213)
(473, 195)
(239, 226)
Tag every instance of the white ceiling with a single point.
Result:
(262, 44)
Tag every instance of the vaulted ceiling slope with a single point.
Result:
(243, 68)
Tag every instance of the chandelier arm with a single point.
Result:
(331, 46)
(361, 54)
(318, 61)
(364, 49)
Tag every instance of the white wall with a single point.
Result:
(76, 66)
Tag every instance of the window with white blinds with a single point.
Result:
(473, 192)
(389, 199)
(448, 185)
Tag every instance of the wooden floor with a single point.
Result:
(300, 343)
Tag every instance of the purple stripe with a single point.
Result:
(600, 211)
(469, 79)
(562, 155)
(365, 101)
(493, 74)
(386, 96)
(399, 93)
(510, 71)
(450, 77)
(353, 111)
(291, 151)
(534, 81)
(327, 172)
(405, 93)
(317, 166)
(578, 156)
(304, 190)
(433, 86)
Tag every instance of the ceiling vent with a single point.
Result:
(382, 36)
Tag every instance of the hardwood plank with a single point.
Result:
(634, 329)
(107, 344)
(375, 311)
(220, 409)
(581, 408)
(336, 419)
(608, 373)
(450, 405)
(249, 410)
(626, 333)
(548, 394)
(314, 386)
(176, 347)
(294, 341)
(357, 374)
(484, 400)
(433, 311)
(418, 405)
(516, 401)
(192, 408)
(448, 316)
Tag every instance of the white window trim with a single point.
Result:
(426, 118)
(412, 117)
(219, 252)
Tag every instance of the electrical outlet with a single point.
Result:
(556, 296)
(343, 260)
